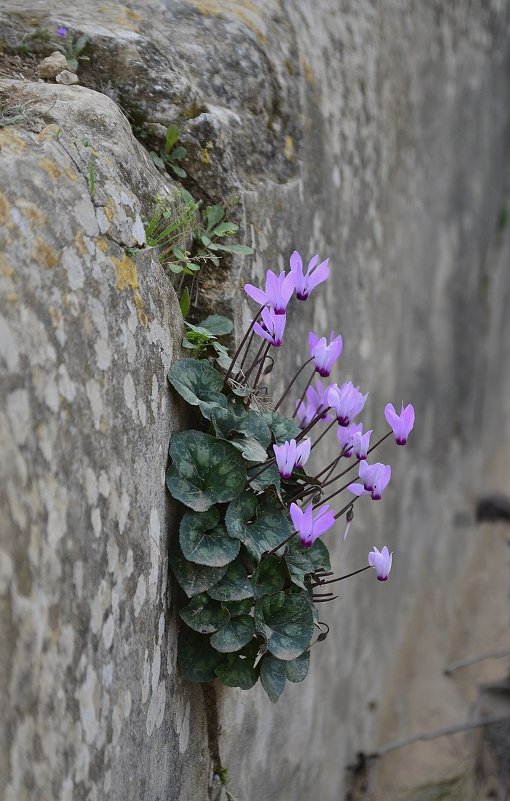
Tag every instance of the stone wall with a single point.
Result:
(373, 133)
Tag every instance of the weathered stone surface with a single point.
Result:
(377, 134)
(52, 65)
(67, 78)
(92, 706)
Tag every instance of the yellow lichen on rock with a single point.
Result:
(289, 148)
(11, 141)
(5, 211)
(51, 131)
(43, 254)
(127, 274)
(51, 168)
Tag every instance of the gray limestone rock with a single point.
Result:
(66, 78)
(52, 65)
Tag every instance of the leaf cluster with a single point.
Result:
(249, 613)
(169, 156)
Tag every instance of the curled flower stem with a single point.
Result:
(348, 575)
(292, 383)
(243, 342)
(304, 392)
(324, 600)
(346, 507)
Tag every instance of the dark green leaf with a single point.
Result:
(198, 383)
(270, 477)
(298, 564)
(297, 668)
(234, 635)
(319, 555)
(185, 302)
(269, 577)
(237, 250)
(272, 677)
(222, 356)
(172, 136)
(234, 586)
(196, 657)
(177, 154)
(178, 171)
(269, 528)
(238, 607)
(157, 160)
(236, 418)
(226, 229)
(204, 470)
(204, 616)
(193, 578)
(214, 215)
(174, 268)
(205, 542)
(283, 428)
(251, 450)
(188, 198)
(238, 672)
(288, 626)
(217, 325)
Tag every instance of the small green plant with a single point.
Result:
(202, 339)
(208, 240)
(171, 153)
(171, 224)
(12, 115)
(72, 47)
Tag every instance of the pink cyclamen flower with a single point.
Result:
(345, 436)
(309, 527)
(290, 455)
(402, 424)
(375, 478)
(381, 562)
(315, 274)
(279, 289)
(272, 327)
(347, 402)
(324, 354)
(361, 443)
(316, 401)
(62, 31)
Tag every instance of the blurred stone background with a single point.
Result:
(376, 133)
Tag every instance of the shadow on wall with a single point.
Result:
(481, 742)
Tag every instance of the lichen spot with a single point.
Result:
(51, 131)
(51, 168)
(109, 209)
(142, 317)
(43, 254)
(33, 214)
(5, 211)
(71, 174)
(289, 148)
(11, 142)
(205, 156)
(307, 71)
(102, 243)
(127, 274)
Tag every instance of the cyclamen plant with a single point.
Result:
(250, 558)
